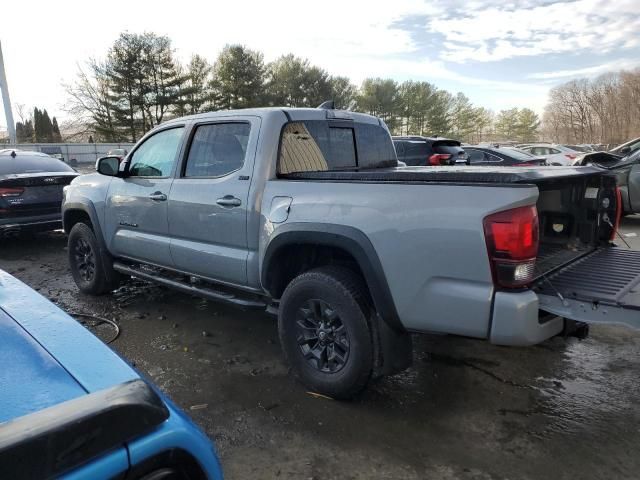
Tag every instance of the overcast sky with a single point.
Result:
(499, 53)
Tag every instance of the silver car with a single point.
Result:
(554, 154)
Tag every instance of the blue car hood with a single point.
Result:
(30, 378)
(47, 357)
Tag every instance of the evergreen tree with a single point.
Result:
(56, 135)
(195, 93)
(380, 97)
(294, 82)
(47, 128)
(238, 78)
(343, 92)
(527, 125)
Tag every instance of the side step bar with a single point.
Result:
(197, 290)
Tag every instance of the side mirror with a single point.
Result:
(108, 166)
(625, 150)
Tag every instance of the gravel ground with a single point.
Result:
(466, 410)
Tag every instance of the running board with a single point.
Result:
(184, 287)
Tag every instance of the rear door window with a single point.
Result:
(493, 158)
(475, 156)
(217, 149)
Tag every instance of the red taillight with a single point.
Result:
(512, 243)
(570, 156)
(618, 214)
(11, 192)
(439, 159)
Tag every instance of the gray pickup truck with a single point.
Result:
(305, 212)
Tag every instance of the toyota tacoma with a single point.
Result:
(306, 213)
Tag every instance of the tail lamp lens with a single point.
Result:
(439, 159)
(512, 242)
(11, 192)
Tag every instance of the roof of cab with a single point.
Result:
(284, 113)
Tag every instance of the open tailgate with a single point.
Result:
(601, 287)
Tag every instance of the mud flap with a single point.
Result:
(602, 287)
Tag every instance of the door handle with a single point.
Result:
(158, 197)
(229, 201)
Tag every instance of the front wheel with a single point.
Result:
(91, 269)
(324, 331)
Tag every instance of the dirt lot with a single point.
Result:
(466, 410)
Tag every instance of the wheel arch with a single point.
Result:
(341, 238)
(77, 212)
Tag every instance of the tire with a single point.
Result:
(91, 268)
(324, 331)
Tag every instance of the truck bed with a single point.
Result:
(447, 174)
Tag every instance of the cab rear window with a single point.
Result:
(316, 145)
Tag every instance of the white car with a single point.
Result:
(558, 155)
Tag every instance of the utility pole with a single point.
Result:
(4, 89)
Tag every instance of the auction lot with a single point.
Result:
(466, 409)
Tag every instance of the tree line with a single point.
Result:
(38, 128)
(602, 110)
(140, 84)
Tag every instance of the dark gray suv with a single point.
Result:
(429, 151)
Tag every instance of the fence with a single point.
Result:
(80, 152)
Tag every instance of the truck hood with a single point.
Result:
(47, 357)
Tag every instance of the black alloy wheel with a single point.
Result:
(322, 337)
(85, 259)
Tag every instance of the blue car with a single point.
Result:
(71, 408)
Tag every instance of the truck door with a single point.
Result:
(136, 206)
(601, 287)
(209, 200)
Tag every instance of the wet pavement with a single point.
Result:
(465, 410)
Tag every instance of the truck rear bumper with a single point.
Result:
(516, 320)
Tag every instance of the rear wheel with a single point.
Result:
(91, 269)
(324, 331)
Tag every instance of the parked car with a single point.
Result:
(501, 156)
(580, 148)
(53, 151)
(303, 212)
(71, 408)
(627, 148)
(627, 172)
(433, 151)
(554, 154)
(31, 186)
(117, 152)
